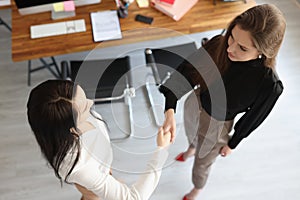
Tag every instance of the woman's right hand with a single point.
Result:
(170, 123)
(163, 138)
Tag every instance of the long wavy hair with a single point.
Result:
(266, 25)
(51, 116)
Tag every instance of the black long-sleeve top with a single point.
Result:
(246, 87)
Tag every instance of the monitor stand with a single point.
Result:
(62, 14)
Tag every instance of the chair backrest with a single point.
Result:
(168, 59)
(102, 78)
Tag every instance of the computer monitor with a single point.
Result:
(26, 7)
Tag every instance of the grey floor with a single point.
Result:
(264, 166)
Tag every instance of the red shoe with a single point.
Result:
(185, 198)
(180, 157)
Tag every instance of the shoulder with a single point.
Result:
(273, 82)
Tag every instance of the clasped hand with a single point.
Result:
(170, 124)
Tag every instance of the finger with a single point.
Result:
(173, 131)
(168, 136)
(172, 138)
(166, 128)
(166, 132)
(222, 152)
(161, 131)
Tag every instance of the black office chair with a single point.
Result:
(104, 81)
(163, 62)
(45, 65)
(5, 24)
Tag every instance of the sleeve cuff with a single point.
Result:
(170, 102)
(233, 143)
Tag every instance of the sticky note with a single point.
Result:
(69, 5)
(58, 7)
(143, 3)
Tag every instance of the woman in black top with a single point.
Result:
(233, 74)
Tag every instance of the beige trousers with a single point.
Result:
(206, 134)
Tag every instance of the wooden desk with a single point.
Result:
(203, 16)
(5, 6)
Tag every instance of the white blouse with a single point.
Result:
(93, 166)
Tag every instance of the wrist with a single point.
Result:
(162, 147)
(169, 113)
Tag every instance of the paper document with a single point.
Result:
(4, 2)
(69, 5)
(142, 3)
(58, 7)
(105, 25)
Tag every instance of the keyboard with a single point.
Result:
(57, 28)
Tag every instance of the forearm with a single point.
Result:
(149, 180)
(107, 187)
(169, 113)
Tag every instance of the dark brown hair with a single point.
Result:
(51, 116)
(265, 23)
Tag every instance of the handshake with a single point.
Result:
(163, 139)
(166, 133)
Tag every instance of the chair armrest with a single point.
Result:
(64, 70)
(151, 61)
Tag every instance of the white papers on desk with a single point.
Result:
(4, 2)
(105, 25)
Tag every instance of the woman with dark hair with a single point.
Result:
(247, 83)
(74, 140)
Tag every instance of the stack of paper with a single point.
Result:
(142, 3)
(4, 2)
(105, 25)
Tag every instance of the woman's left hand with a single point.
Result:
(225, 151)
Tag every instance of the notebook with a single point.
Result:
(179, 8)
